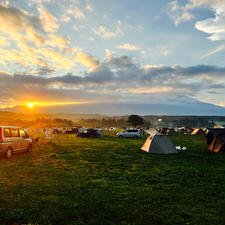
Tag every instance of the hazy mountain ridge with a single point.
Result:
(100, 110)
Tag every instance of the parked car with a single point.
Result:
(14, 140)
(72, 131)
(90, 133)
(129, 134)
(57, 131)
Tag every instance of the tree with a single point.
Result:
(135, 120)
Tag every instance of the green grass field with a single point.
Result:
(107, 181)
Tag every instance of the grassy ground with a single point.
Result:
(106, 181)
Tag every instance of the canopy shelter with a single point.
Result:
(216, 139)
(159, 144)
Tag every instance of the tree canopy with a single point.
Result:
(135, 120)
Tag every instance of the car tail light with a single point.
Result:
(1, 138)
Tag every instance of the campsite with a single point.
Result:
(112, 112)
(109, 180)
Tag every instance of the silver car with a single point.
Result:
(129, 134)
(13, 140)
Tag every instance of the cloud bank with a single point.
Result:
(215, 27)
(117, 78)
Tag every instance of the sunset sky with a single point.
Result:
(102, 51)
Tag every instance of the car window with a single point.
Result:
(15, 132)
(22, 133)
(7, 132)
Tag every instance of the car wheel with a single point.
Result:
(9, 153)
(120, 136)
(135, 136)
(29, 148)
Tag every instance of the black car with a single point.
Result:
(72, 131)
(89, 133)
(57, 131)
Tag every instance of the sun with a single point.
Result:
(30, 105)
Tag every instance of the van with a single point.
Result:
(14, 140)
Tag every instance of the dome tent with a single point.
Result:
(159, 144)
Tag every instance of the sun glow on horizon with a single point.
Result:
(43, 104)
(30, 104)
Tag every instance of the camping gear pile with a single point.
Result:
(179, 148)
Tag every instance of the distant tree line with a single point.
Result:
(102, 123)
(180, 121)
(132, 120)
(58, 122)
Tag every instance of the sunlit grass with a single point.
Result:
(108, 180)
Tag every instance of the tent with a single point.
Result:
(218, 126)
(100, 133)
(167, 131)
(158, 143)
(171, 131)
(216, 139)
(163, 130)
(198, 131)
(151, 131)
(185, 130)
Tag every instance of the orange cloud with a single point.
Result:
(35, 40)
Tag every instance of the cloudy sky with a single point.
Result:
(98, 51)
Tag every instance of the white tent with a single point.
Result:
(160, 144)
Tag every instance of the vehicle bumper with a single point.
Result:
(2, 149)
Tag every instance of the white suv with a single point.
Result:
(13, 140)
(129, 134)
